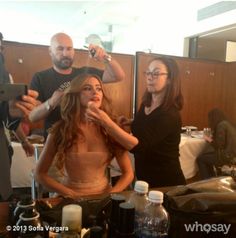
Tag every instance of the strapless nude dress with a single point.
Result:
(86, 172)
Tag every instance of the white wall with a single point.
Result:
(230, 51)
(161, 28)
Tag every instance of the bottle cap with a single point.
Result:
(141, 186)
(155, 196)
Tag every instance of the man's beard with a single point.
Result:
(64, 63)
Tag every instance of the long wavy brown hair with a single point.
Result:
(173, 95)
(67, 131)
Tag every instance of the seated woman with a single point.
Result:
(80, 148)
(222, 145)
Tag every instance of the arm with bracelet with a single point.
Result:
(43, 110)
(22, 138)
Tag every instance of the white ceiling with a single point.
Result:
(36, 21)
(80, 18)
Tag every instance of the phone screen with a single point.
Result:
(12, 91)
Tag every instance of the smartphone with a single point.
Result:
(12, 91)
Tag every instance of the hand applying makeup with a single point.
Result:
(100, 117)
(96, 115)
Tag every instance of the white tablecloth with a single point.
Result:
(189, 149)
(21, 167)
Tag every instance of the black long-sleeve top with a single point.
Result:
(157, 154)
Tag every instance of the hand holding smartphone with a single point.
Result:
(12, 91)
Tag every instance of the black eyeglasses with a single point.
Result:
(154, 75)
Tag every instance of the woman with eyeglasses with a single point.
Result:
(157, 126)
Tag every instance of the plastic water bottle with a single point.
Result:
(139, 199)
(156, 219)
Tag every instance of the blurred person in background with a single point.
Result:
(19, 133)
(221, 145)
(10, 116)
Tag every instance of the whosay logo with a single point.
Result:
(198, 227)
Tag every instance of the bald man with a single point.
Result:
(51, 82)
